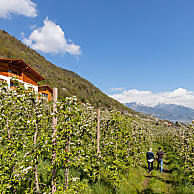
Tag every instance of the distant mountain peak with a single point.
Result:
(171, 112)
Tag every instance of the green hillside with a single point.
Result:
(68, 82)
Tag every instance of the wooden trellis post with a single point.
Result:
(54, 124)
(36, 170)
(98, 134)
(67, 148)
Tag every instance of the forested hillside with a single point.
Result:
(68, 82)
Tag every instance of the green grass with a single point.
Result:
(133, 183)
(172, 180)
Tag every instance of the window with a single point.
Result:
(46, 95)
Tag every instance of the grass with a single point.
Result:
(138, 180)
(133, 183)
(172, 180)
(155, 181)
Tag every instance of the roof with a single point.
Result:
(22, 64)
(48, 87)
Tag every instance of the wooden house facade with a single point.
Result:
(46, 91)
(17, 68)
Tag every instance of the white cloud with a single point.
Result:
(22, 34)
(179, 96)
(32, 27)
(20, 7)
(117, 89)
(50, 38)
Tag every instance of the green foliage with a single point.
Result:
(181, 140)
(25, 118)
(181, 178)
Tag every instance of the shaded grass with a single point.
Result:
(156, 184)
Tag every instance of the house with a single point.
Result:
(24, 73)
(168, 123)
(46, 91)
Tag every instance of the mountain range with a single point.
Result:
(171, 112)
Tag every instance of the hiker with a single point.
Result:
(150, 159)
(160, 156)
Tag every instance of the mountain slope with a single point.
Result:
(68, 82)
(170, 112)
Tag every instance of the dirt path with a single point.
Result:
(156, 182)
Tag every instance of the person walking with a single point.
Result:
(150, 159)
(160, 156)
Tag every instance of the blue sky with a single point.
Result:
(123, 47)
